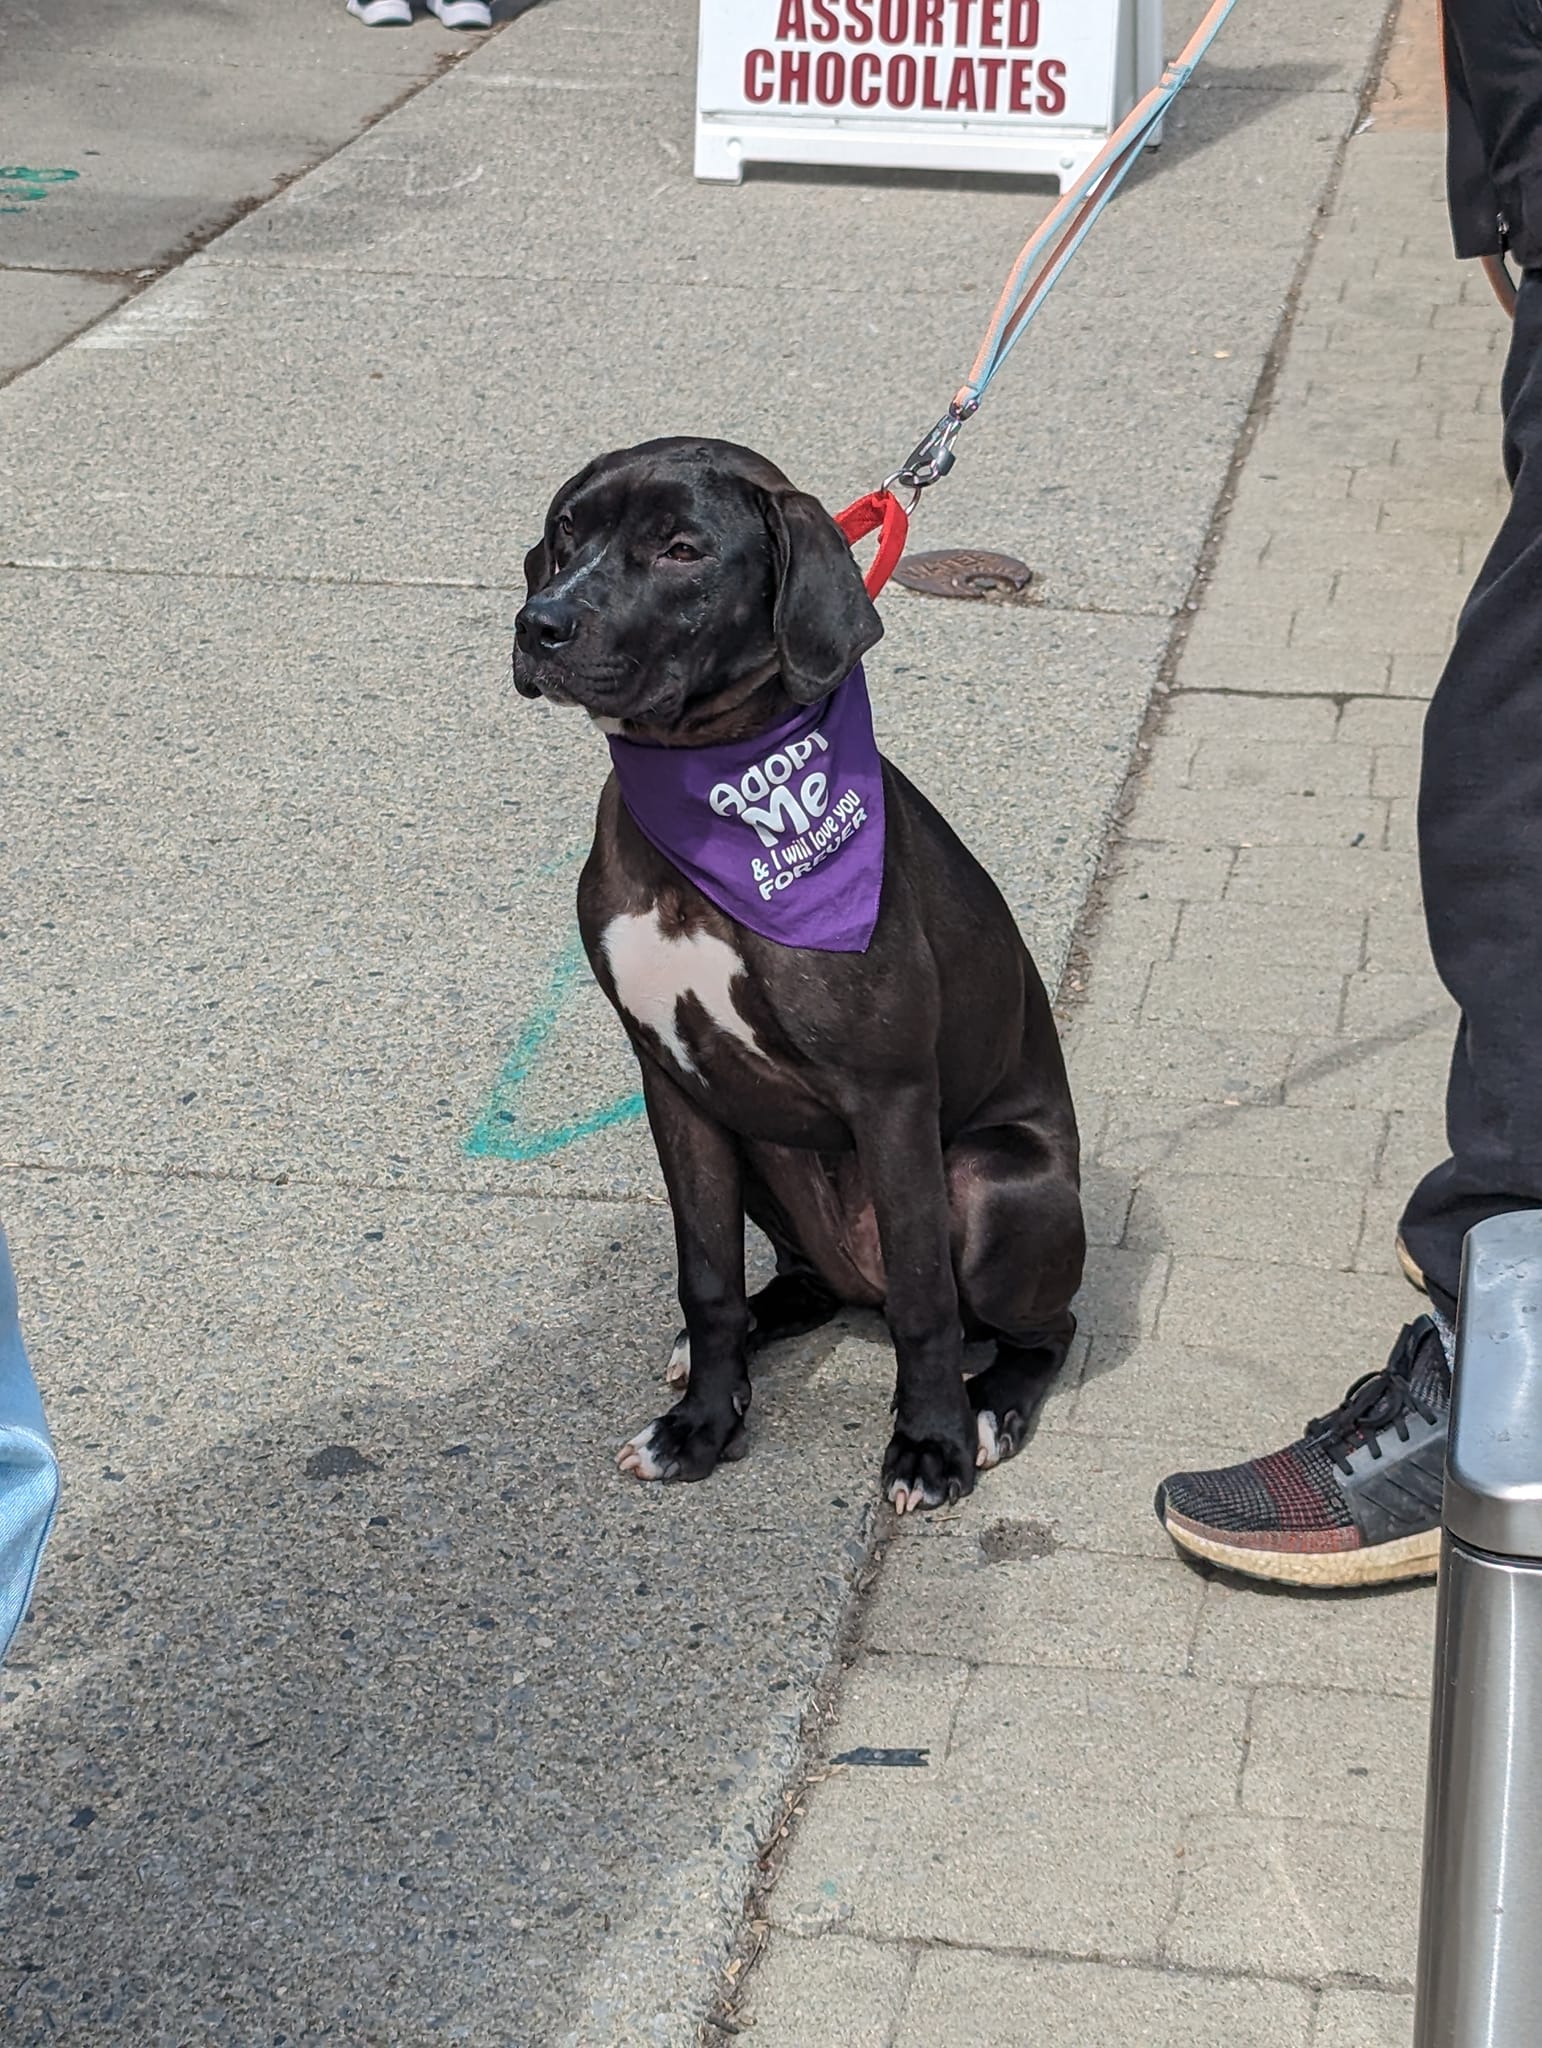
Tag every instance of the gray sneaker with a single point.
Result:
(1355, 1501)
(382, 13)
(462, 13)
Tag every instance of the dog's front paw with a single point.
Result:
(928, 1471)
(684, 1444)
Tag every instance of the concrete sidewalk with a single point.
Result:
(363, 1699)
(1160, 1807)
(134, 130)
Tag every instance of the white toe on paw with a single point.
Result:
(989, 1452)
(637, 1457)
(678, 1370)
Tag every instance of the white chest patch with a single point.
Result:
(654, 970)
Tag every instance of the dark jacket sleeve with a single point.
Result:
(1470, 192)
(1493, 54)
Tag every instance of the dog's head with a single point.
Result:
(681, 574)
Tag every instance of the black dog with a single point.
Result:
(896, 1120)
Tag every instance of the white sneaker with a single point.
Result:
(382, 13)
(462, 13)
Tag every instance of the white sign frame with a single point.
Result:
(1119, 46)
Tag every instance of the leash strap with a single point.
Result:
(1033, 277)
(882, 512)
(1038, 269)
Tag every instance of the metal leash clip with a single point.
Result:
(932, 457)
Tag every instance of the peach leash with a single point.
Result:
(1033, 277)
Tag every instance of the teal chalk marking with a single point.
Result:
(21, 181)
(500, 1131)
(545, 869)
(541, 1144)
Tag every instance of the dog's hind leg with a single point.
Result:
(1019, 1245)
(1009, 1393)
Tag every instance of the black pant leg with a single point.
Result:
(1480, 854)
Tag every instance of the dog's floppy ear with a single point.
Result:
(537, 567)
(539, 563)
(824, 620)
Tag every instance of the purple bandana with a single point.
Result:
(784, 832)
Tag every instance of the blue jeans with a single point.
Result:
(29, 1474)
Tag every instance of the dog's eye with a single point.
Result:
(564, 526)
(682, 551)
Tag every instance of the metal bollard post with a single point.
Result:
(1480, 1931)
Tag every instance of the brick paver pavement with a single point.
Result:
(1161, 1807)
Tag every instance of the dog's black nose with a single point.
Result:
(545, 624)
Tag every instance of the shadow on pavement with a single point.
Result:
(388, 1711)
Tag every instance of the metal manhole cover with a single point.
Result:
(965, 572)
